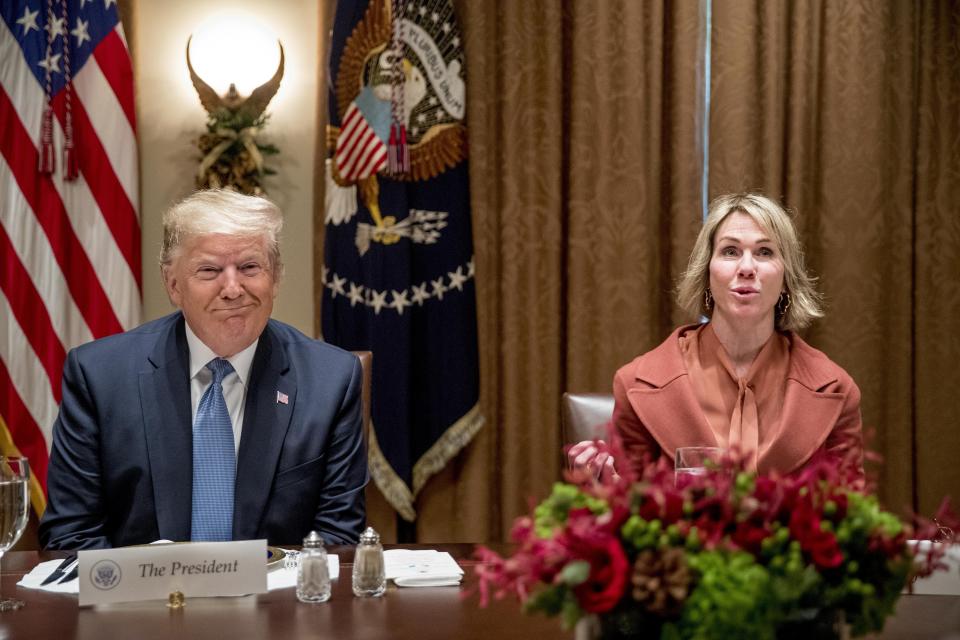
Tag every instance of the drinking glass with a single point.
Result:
(693, 462)
(14, 510)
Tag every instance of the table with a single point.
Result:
(419, 614)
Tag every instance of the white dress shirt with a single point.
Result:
(234, 384)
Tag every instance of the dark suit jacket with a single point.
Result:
(120, 467)
(656, 410)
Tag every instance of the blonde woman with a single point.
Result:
(745, 378)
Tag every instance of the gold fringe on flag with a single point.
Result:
(394, 489)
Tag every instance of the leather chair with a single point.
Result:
(583, 416)
(366, 362)
(380, 515)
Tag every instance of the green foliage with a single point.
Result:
(868, 591)
(549, 600)
(733, 599)
(551, 514)
(575, 573)
(556, 600)
(793, 583)
(744, 484)
(236, 120)
(877, 604)
(868, 587)
(864, 515)
(639, 534)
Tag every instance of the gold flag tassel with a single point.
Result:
(398, 155)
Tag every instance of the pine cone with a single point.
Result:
(662, 581)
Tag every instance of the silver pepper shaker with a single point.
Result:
(369, 577)
(313, 574)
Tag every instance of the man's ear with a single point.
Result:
(171, 284)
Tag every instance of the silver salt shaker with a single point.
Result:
(313, 574)
(369, 577)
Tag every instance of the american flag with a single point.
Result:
(362, 145)
(69, 233)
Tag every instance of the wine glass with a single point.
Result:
(693, 462)
(14, 509)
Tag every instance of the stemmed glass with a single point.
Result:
(14, 510)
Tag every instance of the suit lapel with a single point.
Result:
(808, 415)
(165, 397)
(265, 423)
(664, 400)
(672, 416)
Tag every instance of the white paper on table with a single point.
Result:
(40, 573)
(941, 583)
(421, 568)
(281, 578)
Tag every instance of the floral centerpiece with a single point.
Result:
(730, 555)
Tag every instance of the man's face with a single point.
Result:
(225, 287)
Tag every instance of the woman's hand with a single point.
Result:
(592, 456)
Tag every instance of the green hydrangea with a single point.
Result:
(551, 514)
(733, 599)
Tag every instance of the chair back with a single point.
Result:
(583, 415)
(366, 363)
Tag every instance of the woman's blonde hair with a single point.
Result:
(804, 304)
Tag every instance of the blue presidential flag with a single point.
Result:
(398, 266)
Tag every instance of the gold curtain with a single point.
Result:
(585, 175)
(936, 245)
(846, 110)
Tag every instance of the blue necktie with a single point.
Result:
(214, 462)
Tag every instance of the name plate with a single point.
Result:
(153, 572)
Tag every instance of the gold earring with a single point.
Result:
(783, 303)
(708, 300)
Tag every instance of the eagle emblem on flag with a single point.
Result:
(401, 101)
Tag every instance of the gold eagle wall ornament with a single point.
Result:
(231, 155)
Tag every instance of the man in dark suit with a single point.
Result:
(215, 422)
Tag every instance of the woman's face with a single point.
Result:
(746, 271)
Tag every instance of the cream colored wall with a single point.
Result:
(169, 118)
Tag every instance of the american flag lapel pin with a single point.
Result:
(282, 398)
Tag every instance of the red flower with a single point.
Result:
(824, 551)
(889, 547)
(609, 567)
(769, 493)
(710, 530)
(820, 545)
(658, 504)
(750, 534)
